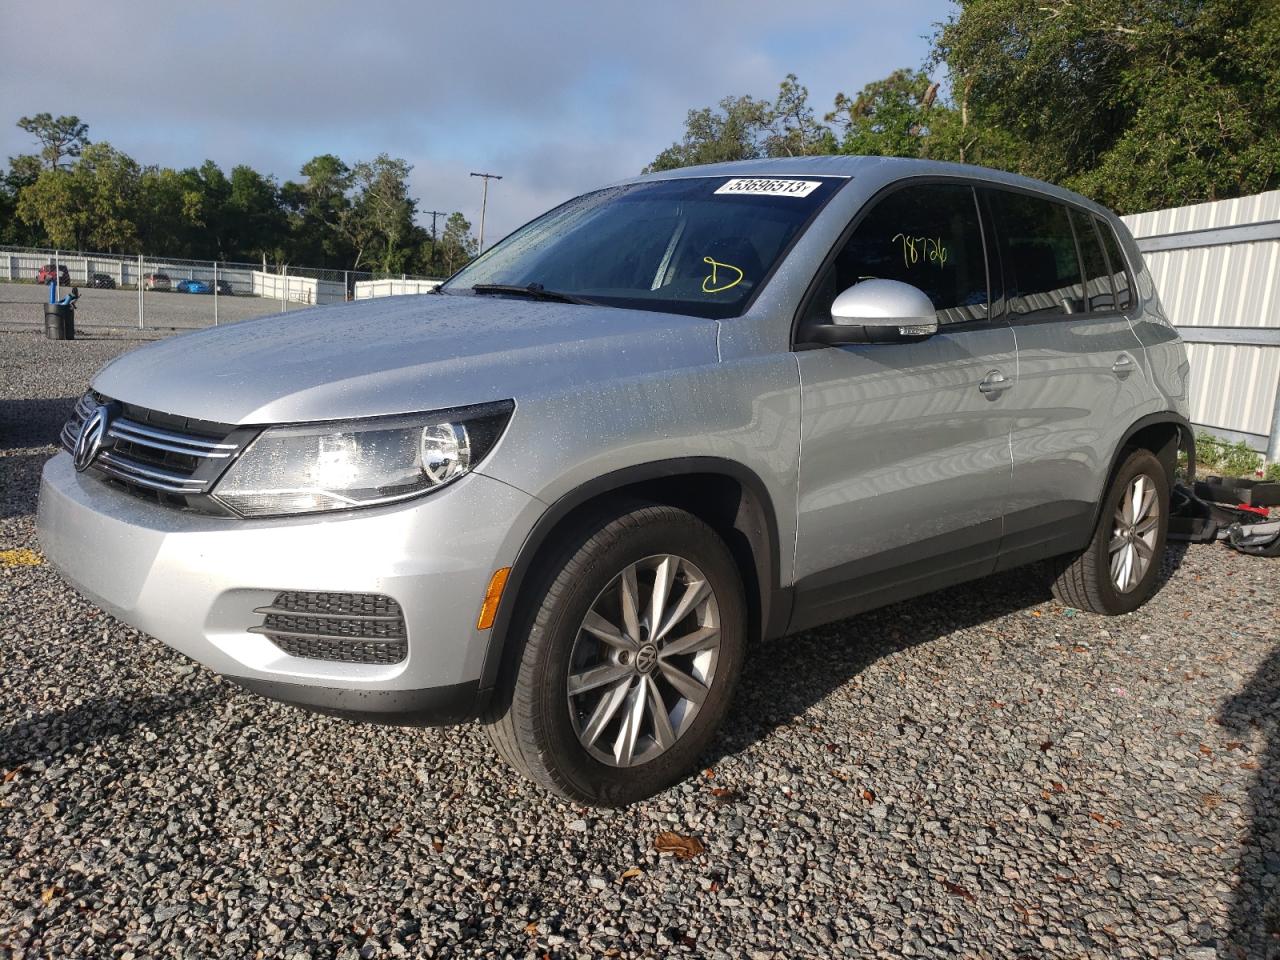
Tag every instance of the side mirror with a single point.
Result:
(877, 311)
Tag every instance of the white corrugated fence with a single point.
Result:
(367, 289)
(1217, 269)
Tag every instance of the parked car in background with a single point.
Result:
(156, 281)
(102, 281)
(562, 494)
(203, 286)
(49, 271)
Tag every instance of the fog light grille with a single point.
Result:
(346, 627)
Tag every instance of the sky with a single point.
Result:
(556, 97)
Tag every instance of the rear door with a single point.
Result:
(1080, 385)
(904, 464)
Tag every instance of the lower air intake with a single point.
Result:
(345, 627)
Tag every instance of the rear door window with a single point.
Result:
(1119, 272)
(926, 235)
(1038, 252)
(1097, 281)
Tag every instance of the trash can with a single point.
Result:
(59, 321)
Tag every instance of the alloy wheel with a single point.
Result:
(1136, 526)
(644, 660)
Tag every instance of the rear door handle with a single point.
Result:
(1124, 365)
(994, 384)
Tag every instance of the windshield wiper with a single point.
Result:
(535, 290)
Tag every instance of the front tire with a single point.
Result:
(1117, 572)
(635, 639)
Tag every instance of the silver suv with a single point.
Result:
(665, 419)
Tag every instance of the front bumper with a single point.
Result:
(193, 581)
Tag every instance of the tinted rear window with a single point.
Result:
(1097, 281)
(1038, 253)
(1119, 273)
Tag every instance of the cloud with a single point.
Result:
(557, 97)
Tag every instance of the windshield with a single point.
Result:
(700, 246)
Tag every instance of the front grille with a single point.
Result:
(348, 627)
(173, 460)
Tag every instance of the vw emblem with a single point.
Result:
(92, 433)
(646, 658)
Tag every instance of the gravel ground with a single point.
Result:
(21, 305)
(980, 773)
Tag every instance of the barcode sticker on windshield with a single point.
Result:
(759, 187)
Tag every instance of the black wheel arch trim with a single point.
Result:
(1187, 441)
(775, 601)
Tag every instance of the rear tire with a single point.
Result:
(617, 692)
(1117, 572)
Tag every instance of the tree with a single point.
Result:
(171, 220)
(23, 171)
(1139, 103)
(217, 229)
(383, 217)
(255, 223)
(9, 221)
(77, 194)
(715, 135)
(906, 115)
(320, 212)
(790, 127)
(890, 117)
(457, 245)
(60, 139)
(92, 205)
(743, 128)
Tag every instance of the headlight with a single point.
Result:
(337, 466)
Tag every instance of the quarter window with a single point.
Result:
(1097, 281)
(1038, 252)
(927, 236)
(1119, 275)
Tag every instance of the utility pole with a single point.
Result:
(484, 201)
(433, 214)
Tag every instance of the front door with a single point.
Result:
(904, 463)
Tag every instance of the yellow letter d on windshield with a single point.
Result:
(711, 283)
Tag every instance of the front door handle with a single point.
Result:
(994, 384)
(1124, 365)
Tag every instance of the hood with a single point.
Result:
(399, 355)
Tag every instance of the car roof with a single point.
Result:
(883, 168)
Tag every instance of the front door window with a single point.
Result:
(927, 235)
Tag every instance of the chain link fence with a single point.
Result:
(171, 292)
